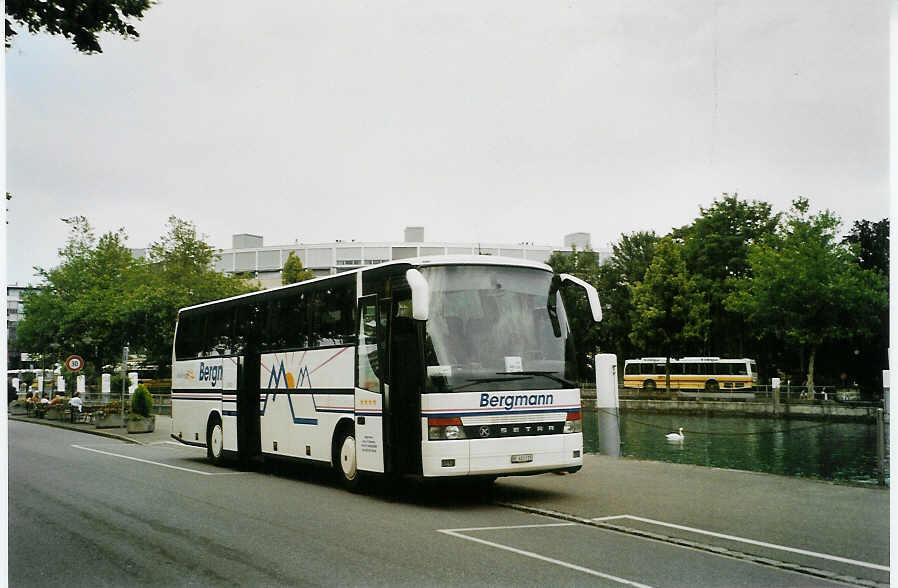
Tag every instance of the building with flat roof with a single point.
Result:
(249, 255)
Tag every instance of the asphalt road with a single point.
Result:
(90, 511)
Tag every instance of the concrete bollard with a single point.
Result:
(607, 404)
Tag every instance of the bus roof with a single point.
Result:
(424, 261)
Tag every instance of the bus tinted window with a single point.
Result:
(287, 324)
(189, 342)
(740, 369)
(219, 333)
(247, 328)
(631, 369)
(330, 315)
(691, 369)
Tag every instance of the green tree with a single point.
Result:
(631, 257)
(668, 311)
(715, 249)
(83, 303)
(584, 265)
(806, 287)
(294, 272)
(871, 241)
(101, 298)
(78, 20)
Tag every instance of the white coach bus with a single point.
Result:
(426, 367)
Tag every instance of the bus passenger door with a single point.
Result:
(369, 390)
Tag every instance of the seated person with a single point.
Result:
(57, 399)
(45, 399)
(76, 401)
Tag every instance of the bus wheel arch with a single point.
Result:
(214, 439)
(712, 386)
(649, 385)
(343, 455)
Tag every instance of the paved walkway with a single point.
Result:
(161, 432)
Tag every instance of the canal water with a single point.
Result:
(827, 451)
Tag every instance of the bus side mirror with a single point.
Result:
(420, 294)
(591, 294)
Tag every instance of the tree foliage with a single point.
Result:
(806, 288)
(871, 243)
(631, 257)
(668, 311)
(294, 272)
(715, 249)
(79, 20)
(84, 302)
(101, 298)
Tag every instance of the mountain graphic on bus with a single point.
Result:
(301, 379)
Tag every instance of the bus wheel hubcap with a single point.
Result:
(216, 440)
(347, 458)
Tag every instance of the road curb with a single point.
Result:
(62, 425)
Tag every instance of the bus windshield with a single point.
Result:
(490, 328)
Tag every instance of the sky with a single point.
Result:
(493, 122)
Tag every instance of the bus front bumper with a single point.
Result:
(502, 457)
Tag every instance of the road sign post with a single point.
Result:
(124, 379)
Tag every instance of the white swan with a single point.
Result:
(675, 436)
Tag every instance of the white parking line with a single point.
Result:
(558, 562)
(751, 542)
(164, 465)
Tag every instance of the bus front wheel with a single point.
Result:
(214, 440)
(345, 460)
(712, 386)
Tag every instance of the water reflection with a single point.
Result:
(829, 451)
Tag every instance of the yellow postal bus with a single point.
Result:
(694, 376)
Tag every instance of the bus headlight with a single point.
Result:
(573, 423)
(439, 429)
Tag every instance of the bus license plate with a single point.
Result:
(522, 458)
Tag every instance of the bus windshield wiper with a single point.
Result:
(550, 375)
(473, 381)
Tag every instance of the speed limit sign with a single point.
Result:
(74, 363)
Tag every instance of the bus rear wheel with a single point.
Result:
(712, 386)
(344, 459)
(214, 440)
(650, 385)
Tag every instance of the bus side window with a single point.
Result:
(287, 324)
(247, 329)
(191, 331)
(331, 316)
(219, 333)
